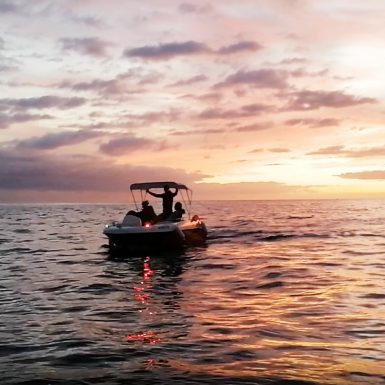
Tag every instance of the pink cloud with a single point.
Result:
(87, 46)
(56, 140)
(263, 78)
(312, 100)
(377, 174)
(313, 123)
(351, 153)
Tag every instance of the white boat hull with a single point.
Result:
(161, 236)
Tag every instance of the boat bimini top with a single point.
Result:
(185, 192)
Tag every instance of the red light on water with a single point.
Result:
(145, 337)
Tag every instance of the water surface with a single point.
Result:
(283, 292)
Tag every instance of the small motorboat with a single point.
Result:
(132, 235)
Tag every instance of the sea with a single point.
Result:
(282, 292)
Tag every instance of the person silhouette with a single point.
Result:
(167, 198)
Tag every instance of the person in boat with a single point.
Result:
(147, 214)
(167, 197)
(178, 213)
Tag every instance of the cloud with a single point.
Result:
(8, 120)
(56, 140)
(23, 171)
(278, 149)
(377, 174)
(263, 78)
(255, 127)
(8, 7)
(103, 87)
(239, 47)
(167, 51)
(189, 81)
(207, 131)
(312, 100)
(87, 46)
(42, 102)
(193, 8)
(314, 123)
(352, 153)
(170, 50)
(124, 145)
(244, 111)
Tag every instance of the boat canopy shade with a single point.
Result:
(148, 185)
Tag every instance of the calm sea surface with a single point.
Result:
(289, 292)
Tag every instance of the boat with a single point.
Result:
(132, 235)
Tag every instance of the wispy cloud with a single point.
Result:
(351, 153)
(193, 8)
(7, 120)
(87, 46)
(242, 46)
(126, 144)
(377, 175)
(313, 122)
(313, 100)
(167, 51)
(244, 111)
(191, 80)
(255, 127)
(263, 78)
(170, 50)
(56, 140)
(8, 6)
(43, 102)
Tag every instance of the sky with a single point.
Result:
(246, 99)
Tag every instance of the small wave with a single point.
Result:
(300, 216)
(22, 231)
(270, 285)
(374, 296)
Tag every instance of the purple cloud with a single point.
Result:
(8, 6)
(240, 47)
(8, 120)
(61, 139)
(167, 51)
(244, 111)
(263, 78)
(125, 145)
(193, 8)
(35, 171)
(192, 80)
(42, 102)
(87, 46)
(312, 100)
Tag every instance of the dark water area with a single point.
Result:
(288, 292)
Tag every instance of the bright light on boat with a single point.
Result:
(148, 225)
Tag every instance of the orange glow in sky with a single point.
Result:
(259, 99)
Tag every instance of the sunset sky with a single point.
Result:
(247, 99)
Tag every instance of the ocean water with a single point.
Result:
(287, 292)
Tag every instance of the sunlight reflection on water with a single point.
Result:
(281, 291)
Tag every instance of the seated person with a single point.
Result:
(177, 214)
(147, 214)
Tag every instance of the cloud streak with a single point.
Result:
(313, 100)
(168, 51)
(92, 46)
